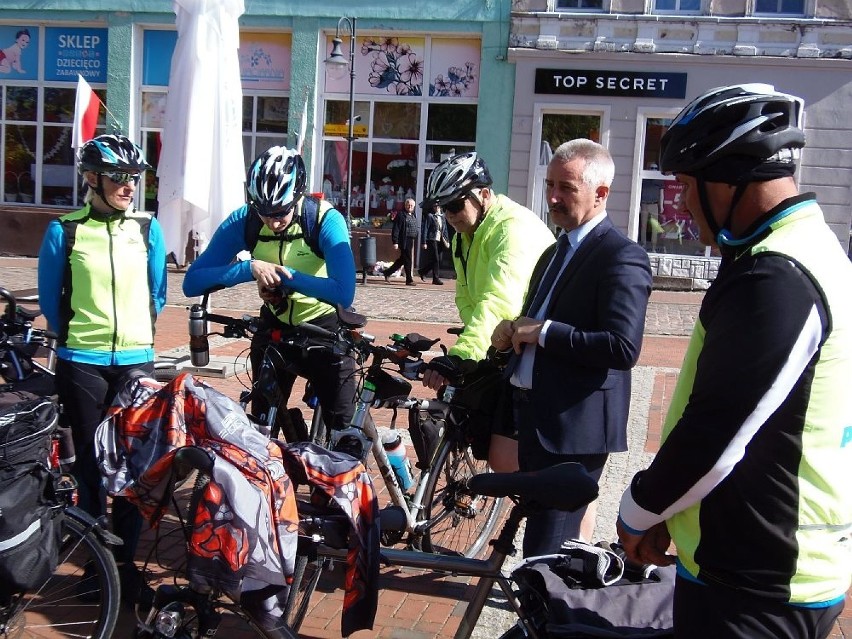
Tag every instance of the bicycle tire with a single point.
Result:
(80, 598)
(306, 576)
(451, 530)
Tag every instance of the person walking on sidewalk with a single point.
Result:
(496, 246)
(404, 238)
(101, 285)
(752, 479)
(300, 275)
(435, 239)
(577, 338)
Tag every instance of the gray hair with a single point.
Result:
(599, 168)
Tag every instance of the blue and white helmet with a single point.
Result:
(455, 177)
(111, 154)
(275, 181)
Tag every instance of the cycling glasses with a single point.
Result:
(124, 178)
(456, 206)
(263, 211)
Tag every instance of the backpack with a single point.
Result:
(30, 521)
(309, 220)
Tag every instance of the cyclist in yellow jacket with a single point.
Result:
(496, 245)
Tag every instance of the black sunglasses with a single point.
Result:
(275, 213)
(456, 206)
(124, 178)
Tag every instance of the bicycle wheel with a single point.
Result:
(459, 523)
(306, 576)
(80, 599)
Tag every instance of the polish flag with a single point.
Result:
(85, 114)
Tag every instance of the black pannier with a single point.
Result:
(30, 521)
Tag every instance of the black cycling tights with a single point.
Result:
(85, 391)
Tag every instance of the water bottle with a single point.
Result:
(199, 348)
(395, 450)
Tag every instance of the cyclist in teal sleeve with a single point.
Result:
(495, 249)
(752, 479)
(298, 280)
(101, 284)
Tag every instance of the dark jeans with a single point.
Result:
(432, 259)
(711, 612)
(332, 376)
(405, 260)
(85, 391)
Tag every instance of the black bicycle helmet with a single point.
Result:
(455, 177)
(275, 181)
(744, 125)
(111, 154)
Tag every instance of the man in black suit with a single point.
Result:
(578, 336)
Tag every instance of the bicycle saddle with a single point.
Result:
(565, 486)
(350, 319)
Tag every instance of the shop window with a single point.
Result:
(453, 122)
(55, 183)
(780, 7)
(265, 124)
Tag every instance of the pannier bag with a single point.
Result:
(589, 591)
(481, 406)
(29, 521)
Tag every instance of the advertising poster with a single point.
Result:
(19, 53)
(676, 222)
(69, 51)
(265, 60)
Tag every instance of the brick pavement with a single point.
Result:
(414, 605)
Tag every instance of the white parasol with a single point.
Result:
(201, 167)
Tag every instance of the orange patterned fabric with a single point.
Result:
(246, 524)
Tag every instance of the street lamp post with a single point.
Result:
(338, 61)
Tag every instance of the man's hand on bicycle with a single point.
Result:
(441, 371)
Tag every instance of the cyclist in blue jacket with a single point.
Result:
(302, 272)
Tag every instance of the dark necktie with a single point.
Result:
(562, 245)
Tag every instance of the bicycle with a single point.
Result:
(81, 596)
(440, 515)
(569, 487)
(279, 420)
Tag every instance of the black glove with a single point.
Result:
(448, 366)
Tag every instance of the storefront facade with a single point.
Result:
(417, 95)
(620, 76)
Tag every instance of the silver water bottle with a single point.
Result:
(199, 348)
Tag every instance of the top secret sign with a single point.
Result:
(631, 84)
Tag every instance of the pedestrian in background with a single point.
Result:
(101, 286)
(435, 240)
(404, 238)
(752, 479)
(577, 337)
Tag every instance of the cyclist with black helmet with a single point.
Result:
(752, 479)
(101, 284)
(496, 245)
(302, 271)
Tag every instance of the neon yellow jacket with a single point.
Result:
(493, 268)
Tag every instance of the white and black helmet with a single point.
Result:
(111, 154)
(454, 178)
(752, 123)
(275, 181)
